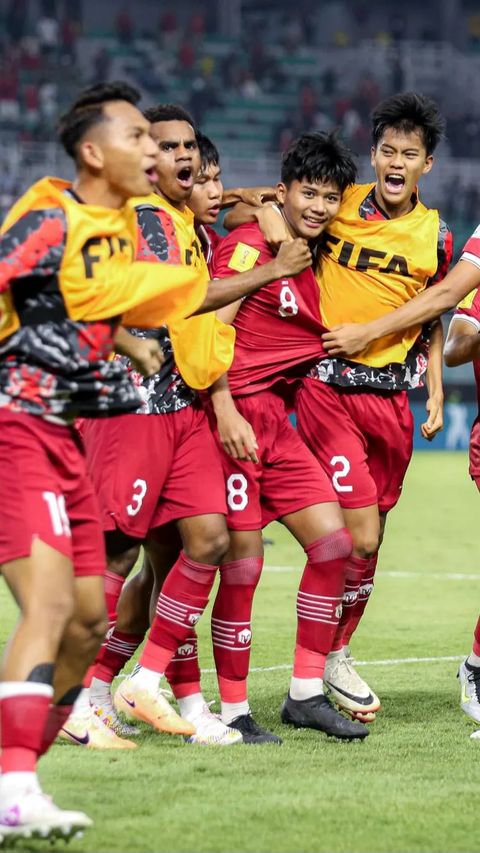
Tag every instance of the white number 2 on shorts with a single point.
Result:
(237, 497)
(139, 492)
(344, 471)
(288, 303)
(58, 513)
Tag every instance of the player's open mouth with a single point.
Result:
(214, 211)
(310, 222)
(152, 175)
(394, 183)
(185, 177)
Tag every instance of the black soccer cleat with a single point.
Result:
(319, 713)
(251, 731)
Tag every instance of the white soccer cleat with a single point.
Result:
(110, 718)
(470, 693)
(211, 731)
(86, 728)
(350, 692)
(33, 815)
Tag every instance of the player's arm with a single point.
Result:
(291, 260)
(145, 354)
(235, 433)
(463, 341)
(253, 196)
(271, 222)
(434, 379)
(349, 339)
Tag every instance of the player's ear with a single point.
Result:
(91, 155)
(281, 191)
(373, 156)
(428, 164)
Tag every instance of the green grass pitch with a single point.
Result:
(411, 786)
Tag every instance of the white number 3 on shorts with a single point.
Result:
(139, 492)
(343, 472)
(237, 497)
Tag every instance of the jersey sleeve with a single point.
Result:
(240, 252)
(32, 246)
(469, 308)
(444, 252)
(471, 250)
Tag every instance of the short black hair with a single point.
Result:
(409, 112)
(321, 158)
(208, 151)
(87, 110)
(168, 112)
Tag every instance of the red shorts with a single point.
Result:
(46, 493)
(287, 478)
(474, 452)
(149, 470)
(363, 439)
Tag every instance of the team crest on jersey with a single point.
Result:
(244, 258)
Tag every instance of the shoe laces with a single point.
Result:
(474, 679)
(346, 664)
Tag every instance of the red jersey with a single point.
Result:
(279, 327)
(469, 308)
(209, 240)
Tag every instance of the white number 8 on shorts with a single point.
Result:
(237, 497)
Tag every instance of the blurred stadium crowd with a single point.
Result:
(253, 80)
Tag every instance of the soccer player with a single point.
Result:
(382, 249)
(278, 336)
(462, 346)
(66, 279)
(137, 496)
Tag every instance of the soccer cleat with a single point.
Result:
(470, 691)
(86, 728)
(34, 815)
(151, 708)
(111, 719)
(319, 713)
(210, 731)
(350, 692)
(251, 732)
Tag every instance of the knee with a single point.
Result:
(365, 546)
(89, 632)
(54, 613)
(122, 564)
(210, 550)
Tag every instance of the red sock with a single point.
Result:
(476, 639)
(24, 708)
(113, 589)
(231, 625)
(183, 599)
(319, 601)
(57, 717)
(183, 671)
(119, 649)
(364, 593)
(356, 568)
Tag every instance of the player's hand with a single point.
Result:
(256, 196)
(236, 435)
(272, 225)
(293, 258)
(434, 424)
(147, 357)
(346, 340)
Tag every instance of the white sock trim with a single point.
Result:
(9, 689)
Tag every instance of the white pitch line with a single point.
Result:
(435, 575)
(392, 662)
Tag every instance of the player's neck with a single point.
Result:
(97, 191)
(290, 228)
(178, 205)
(393, 211)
